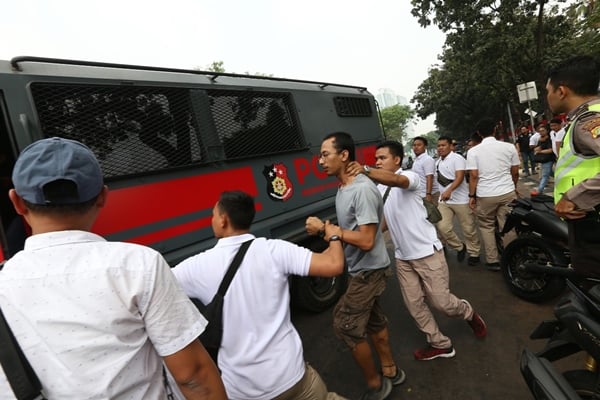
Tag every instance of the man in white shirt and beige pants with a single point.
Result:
(494, 173)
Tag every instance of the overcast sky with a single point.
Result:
(377, 44)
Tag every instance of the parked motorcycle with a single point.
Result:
(576, 329)
(535, 264)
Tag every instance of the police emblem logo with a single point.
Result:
(593, 127)
(279, 186)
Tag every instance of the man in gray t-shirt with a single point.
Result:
(364, 199)
(359, 209)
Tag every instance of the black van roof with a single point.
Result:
(16, 64)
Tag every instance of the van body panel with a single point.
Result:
(170, 141)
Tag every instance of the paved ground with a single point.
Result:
(482, 369)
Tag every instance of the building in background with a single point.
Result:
(387, 98)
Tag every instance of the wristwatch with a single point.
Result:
(472, 195)
(367, 169)
(333, 238)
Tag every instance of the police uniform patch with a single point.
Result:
(593, 127)
(279, 186)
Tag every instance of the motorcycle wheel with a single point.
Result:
(584, 383)
(531, 286)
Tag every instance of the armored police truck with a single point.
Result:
(171, 140)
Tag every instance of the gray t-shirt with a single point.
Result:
(360, 203)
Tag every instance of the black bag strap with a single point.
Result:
(233, 267)
(386, 194)
(21, 376)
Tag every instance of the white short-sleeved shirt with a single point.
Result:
(425, 165)
(94, 318)
(414, 237)
(261, 353)
(493, 159)
(447, 167)
(557, 137)
(534, 139)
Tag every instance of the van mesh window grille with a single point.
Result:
(250, 123)
(352, 106)
(135, 130)
(130, 129)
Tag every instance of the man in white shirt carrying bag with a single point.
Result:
(454, 202)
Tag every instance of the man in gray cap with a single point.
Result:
(95, 319)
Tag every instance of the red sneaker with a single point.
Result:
(478, 325)
(430, 353)
(534, 193)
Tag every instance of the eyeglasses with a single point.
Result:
(325, 154)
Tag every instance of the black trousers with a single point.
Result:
(584, 245)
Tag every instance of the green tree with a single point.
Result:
(395, 119)
(492, 46)
(216, 66)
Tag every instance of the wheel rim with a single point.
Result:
(322, 286)
(523, 279)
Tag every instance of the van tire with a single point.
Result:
(316, 294)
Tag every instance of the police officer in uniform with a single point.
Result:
(573, 88)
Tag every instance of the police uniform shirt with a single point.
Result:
(586, 141)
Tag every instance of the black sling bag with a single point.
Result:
(19, 373)
(213, 311)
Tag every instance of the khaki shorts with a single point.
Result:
(358, 311)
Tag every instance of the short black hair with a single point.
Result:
(556, 121)
(581, 74)
(486, 127)
(396, 148)
(476, 137)
(446, 138)
(239, 207)
(422, 139)
(343, 141)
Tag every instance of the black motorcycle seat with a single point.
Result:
(541, 202)
(542, 198)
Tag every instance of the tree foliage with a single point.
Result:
(395, 119)
(216, 66)
(491, 47)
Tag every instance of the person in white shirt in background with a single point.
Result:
(454, 202)
(494, 172)
(424, 166)
(557, 133)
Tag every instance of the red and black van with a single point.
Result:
(170, 141)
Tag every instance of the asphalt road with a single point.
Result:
(482, 368)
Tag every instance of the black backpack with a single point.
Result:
(213, 311)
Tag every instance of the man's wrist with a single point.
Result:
(473, 196)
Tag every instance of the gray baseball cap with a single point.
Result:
(53, 159)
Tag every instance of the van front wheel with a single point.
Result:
(317, 294)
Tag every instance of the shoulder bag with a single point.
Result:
(213, 311)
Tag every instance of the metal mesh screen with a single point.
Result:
(131, 129)
(253, 123)
(135, 130)
(353, 107)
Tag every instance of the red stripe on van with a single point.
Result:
(140, 205)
